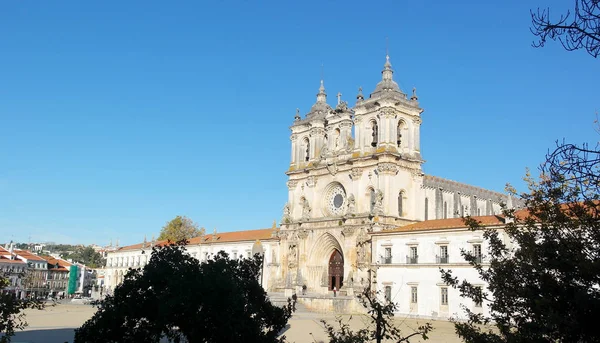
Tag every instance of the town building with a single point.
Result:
(360, 210)
(58, 276)
(13, 268)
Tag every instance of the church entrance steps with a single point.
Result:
(320, 303)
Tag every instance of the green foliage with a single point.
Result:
(544, 268)
(12, 317)
(380, 328)
(180, 228)
(87, 256)
(177, 297)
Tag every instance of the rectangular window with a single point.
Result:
(388, 256)
(413, 258)
(444, 300)
(443, 254)
(388, 293)
(413, 294)
(477, 252)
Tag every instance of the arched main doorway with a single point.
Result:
(336, 270)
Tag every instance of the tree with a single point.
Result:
(12, 317)
(580, 31)
(178, 297)
(87, 256)
(381, 316)
(180, 228)
(544, 268)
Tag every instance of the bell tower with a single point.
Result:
(387, 129)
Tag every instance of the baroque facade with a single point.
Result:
(360, 210)
(356, 171)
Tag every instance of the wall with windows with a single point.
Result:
(407, 270)
(118, 262)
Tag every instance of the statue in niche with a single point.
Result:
(374, 133)
(351, 204)
(293, 253)
(287, 211)
(349, 143)
(306, 210)
(378, 205)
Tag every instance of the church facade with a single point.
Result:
(358, 205)
(356, 171)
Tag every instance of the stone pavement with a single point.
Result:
(56, 325)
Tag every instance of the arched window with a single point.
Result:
(337, 143)
(426, 208)
(399, 133)
(374, 133)
(306, 150)
(400, 203)
(445, 210)
(478, 211)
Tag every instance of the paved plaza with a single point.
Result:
(56, 325)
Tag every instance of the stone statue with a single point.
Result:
(306, 210)
(351, 204)
(349, 143)
(287, 213)
(292, 255)
(378, 207)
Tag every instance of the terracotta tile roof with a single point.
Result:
(7, 260)
(235, 236)
(141, 245)
(452, 223)
(62, 264)
(28, 255)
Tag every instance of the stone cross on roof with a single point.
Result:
(339, 96)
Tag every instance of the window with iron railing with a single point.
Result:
(443, 257)
(412, 259)
(387, 257)
(414, 256)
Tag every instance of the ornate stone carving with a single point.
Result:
(287, 210)
(348, 231)
(302, 234)
(292, 184)
(356, 173)
(306, 210)
(378, 207)
(387, 112)
(349, 143)
(351, 205)
(311, 181)
(292, 255)
(387, 167)
(332, 168)
(363, 249)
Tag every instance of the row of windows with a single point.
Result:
(13, 269)
(442, 258)
(137, 262)
(462, 211)
(374, 138)
(414, 295)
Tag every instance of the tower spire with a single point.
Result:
(322, 96)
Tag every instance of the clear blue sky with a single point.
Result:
(115, 116)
